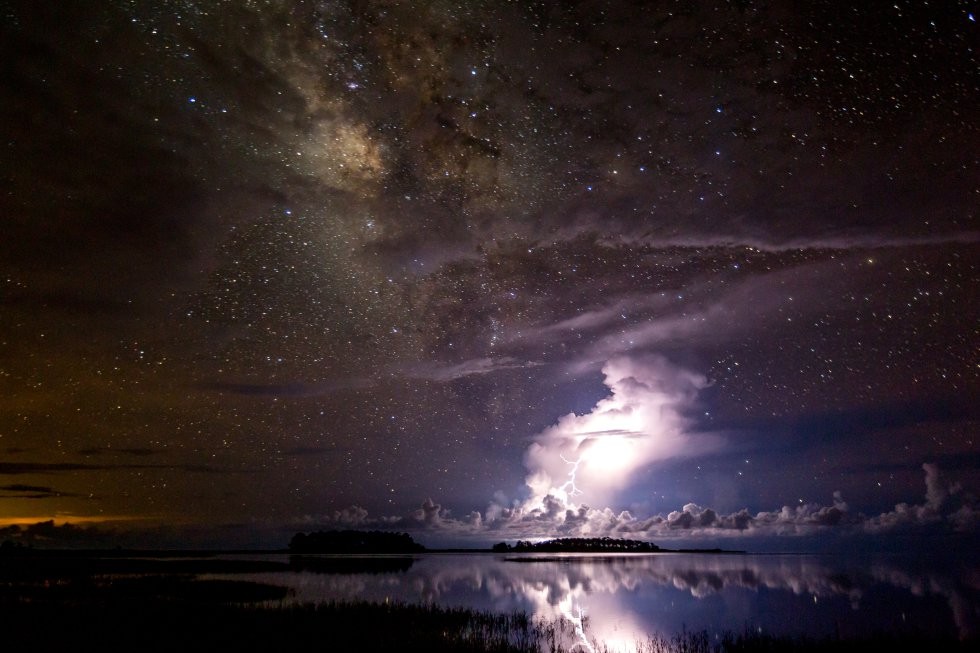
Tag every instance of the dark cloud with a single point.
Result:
(21, 491)
(26, 488)
(132, 451)
(15, 469)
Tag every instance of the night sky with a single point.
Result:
(488, 270)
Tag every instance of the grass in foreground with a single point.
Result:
(750, 642)
(198, 625)
(203, 626)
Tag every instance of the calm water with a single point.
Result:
(626, 597)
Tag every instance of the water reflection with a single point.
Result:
(627, 597)
(351, 564)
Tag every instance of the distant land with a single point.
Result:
(593, 545)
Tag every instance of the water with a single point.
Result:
(625, 598)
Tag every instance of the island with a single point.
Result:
(592, 545)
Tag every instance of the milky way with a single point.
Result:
(271, 265)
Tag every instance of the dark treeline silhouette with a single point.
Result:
(9, 547)
(579, 545)
(354, 542)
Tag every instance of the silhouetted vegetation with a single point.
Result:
(183, 626)
(579, 545)
(592, 545)
(10, 547)
(354, 542)
(755, 642)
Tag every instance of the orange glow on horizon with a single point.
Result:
(61, 520)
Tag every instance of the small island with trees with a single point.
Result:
(578, 545)
(592, 545)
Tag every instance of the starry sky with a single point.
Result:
(479, 270)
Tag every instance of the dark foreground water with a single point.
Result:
(625, 598)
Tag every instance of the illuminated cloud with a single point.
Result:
(586, 459)
(943, 504)
(555, 515)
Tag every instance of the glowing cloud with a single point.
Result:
(589, 458)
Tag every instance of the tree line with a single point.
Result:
(579, 545)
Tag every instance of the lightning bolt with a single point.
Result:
(569, 487)
(577, 623)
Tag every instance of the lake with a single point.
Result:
(626, 597)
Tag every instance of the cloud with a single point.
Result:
(795, 520)
(25, 488)
(606, 315)
(590, 457)
(474, 367)
(944, 508)
(432, 371)
(352, 516)
(842, 242)
(695, 313)
(21, 491)
(944, 505)
(132, 451)
(15, 469)
(429, 514)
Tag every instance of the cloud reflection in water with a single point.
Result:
(627, 597)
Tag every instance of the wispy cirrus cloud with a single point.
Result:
(766, 243)
(442, 372)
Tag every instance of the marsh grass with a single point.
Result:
(701, 641)
(168, 625)
(207, 622)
